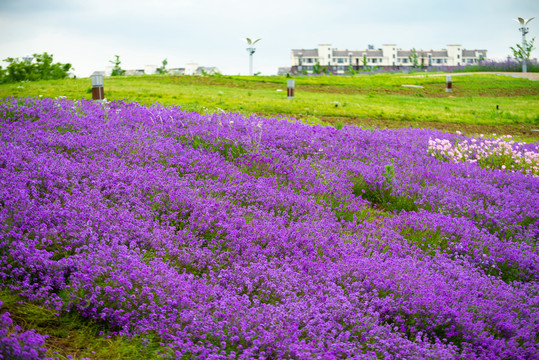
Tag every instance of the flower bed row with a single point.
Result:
(245, 237)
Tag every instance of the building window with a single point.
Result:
(374, 60)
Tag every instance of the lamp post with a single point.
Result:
(97, 87)
(251, 50)
(524, 30)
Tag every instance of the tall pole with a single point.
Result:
(524, 31)
(251, 51)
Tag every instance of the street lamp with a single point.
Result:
(251, 50)
(524, 30)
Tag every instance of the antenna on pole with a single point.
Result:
(251, 50)
(524, 30)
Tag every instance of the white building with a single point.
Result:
(338, 61)
(150, 69)
(195, 69)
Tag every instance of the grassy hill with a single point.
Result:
(479, 103)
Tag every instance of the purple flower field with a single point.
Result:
(233, 237)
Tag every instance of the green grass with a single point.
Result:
(71, 334)
(349, 98)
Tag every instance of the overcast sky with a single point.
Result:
(89, 33)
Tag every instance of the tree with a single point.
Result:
(414, 59)
(522, 52)
(317, 68)
(162, 70)
(37, 67)
(116, 70)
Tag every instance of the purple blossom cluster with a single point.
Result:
(16, 344)
(229, 236)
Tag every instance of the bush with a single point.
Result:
(40, 67)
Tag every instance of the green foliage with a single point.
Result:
(522, 52)
(73, 336)
(116, 70)
(317, 69)
(382, 195)
(389, 173)
(227, 148)
(39, 67)
(414, 59)
(364, 61)
(162, 69)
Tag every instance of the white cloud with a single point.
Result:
(89, 34)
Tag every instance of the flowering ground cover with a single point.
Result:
(232, 236)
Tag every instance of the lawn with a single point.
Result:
(134, 231)
(479, 103)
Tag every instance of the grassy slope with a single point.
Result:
(353, 99)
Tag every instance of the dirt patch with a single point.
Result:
(524, 131)
(363, 87)
(528, 75)
(436, 90)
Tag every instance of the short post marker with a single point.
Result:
(97, 87)
(290, 89)
(449, 83)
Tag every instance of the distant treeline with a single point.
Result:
(37, 67)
